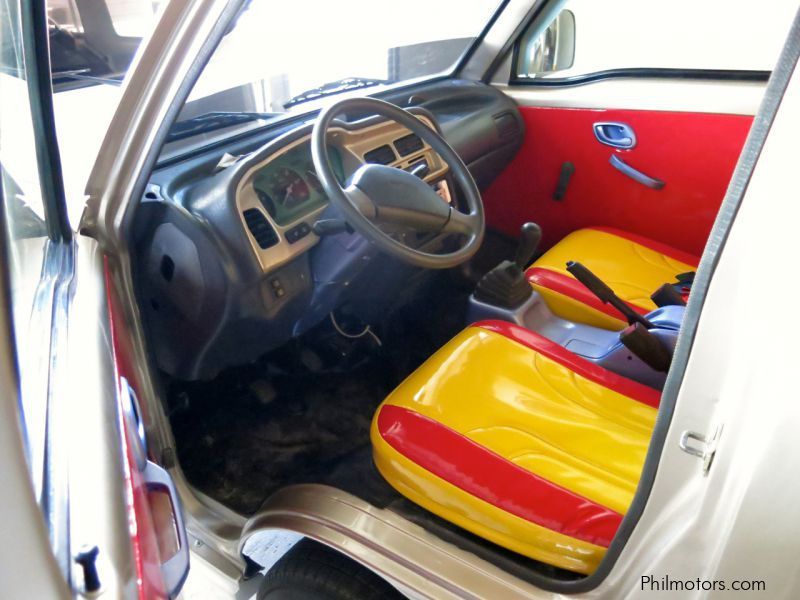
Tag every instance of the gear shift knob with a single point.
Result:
(530, 236)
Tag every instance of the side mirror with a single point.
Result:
(548, 51)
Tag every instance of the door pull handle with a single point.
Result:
(635, 174)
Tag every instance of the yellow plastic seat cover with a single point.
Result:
(512, 437)
(633, 266)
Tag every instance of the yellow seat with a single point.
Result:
(510, 436)
(633, 266)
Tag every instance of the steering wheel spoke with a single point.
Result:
(460, 222)
(361, 201)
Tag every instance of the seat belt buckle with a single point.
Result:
(667, 295)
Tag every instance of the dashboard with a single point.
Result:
(226, 260)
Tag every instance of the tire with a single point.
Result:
(313, 571)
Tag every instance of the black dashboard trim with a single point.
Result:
(218, 309)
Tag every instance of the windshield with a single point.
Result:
(289, 56)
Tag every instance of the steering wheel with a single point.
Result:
(381, 195)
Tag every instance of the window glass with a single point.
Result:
(133, 18)
(90, 53)
(682, 34)
(26, 233)
(289, 56)
(64, 14)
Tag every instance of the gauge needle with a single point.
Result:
(289, 192)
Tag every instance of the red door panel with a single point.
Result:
(694, 153)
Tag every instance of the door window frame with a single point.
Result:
(545, 11)
(36, 54)
(28, 23)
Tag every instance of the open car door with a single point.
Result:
(86, 510)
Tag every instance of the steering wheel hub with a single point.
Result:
(379, 198)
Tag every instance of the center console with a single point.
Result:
(500, 295)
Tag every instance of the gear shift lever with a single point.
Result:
(529, 237)
(506, 284)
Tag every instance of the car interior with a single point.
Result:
(461, 310)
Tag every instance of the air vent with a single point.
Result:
(383, 155)
(507, 125)
(408, 144)
(260, 228)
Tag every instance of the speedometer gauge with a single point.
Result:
(289, 188)
(311, 176)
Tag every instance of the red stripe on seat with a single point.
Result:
(569, 286)
(486, 475)
(580, 366)
(665, 249)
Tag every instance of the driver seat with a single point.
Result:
(514, 438)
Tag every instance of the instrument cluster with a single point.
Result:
(288, 186)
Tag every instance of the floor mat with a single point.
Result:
(239, 443)
(291, 419)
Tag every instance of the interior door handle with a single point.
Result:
(616, 135)
(635, 174)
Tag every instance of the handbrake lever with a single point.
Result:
(646, 346)
(605, 294)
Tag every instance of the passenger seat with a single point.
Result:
(632, 265)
